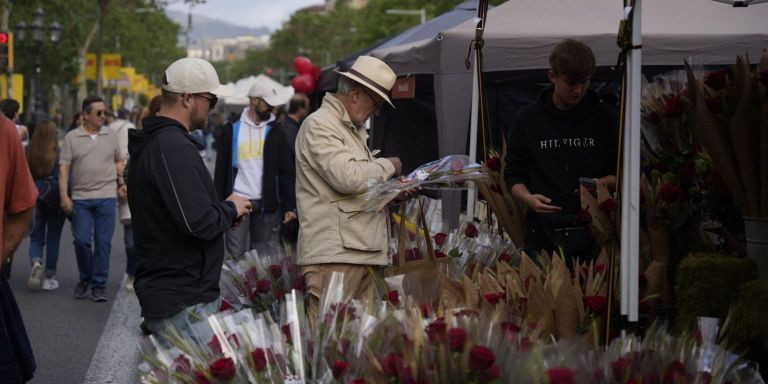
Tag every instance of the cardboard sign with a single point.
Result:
(405, 88)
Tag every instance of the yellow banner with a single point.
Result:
(110, 66)
(17, 83)
(139, 84)
(117, 101)
(126, 78)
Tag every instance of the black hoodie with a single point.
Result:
(177, 218)
(548, 149)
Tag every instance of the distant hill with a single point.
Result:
(209, 28)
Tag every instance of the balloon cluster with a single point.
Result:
(307, 75)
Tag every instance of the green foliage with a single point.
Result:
(327, 37)
(146, 40)
(707, 285)
(746, 330)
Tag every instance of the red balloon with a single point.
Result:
(316, 72)
(302, 65)
(304, 84)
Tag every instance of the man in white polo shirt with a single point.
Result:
(91, 157)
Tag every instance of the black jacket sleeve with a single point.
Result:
(613, 137)
(518, 157)
(186, 190)
(279, 171)
(223, 178)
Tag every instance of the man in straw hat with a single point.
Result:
(332, 162)
(177, 217)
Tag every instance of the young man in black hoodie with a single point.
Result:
(567, 135)
(177, 217)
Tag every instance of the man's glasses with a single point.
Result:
(101, 113)
(211, 101)
(376, 104)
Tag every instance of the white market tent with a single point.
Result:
(243, 85)
(520, 33)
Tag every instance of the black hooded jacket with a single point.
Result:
(548, 149)
(177, 217)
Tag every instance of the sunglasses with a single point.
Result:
(101, 113)
(211, 100)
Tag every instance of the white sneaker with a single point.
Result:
(35, 275)
(49, 284)
(129, 283)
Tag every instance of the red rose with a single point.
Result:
(561, 375)
(223, 369)
(526, 343)
(583, 217)
(471, 230)
(440, 255)
(676, 373)
(225, 306)
(182, 364)
(275, 270)
(670, 193)
(505, 257)
(714, 103)
(425, 309)
(510, 328)
(494, 163)
(716, 80)
(358, 381)
(299, 284)
(457, 337)
(440, 239)
(200, 378)
(339, 368)
(674, 107)
(259, 359)
(481, 358)
(393, 298)
(620, 368)
(490, 374)
(286, 329)
(493, 297)
(596, 304)
(608, 205)
(262, 286)
(392, 363)
(436, 331)
(214, 344)
(252, 274)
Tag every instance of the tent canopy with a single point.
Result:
(429, 30)
(519, 35)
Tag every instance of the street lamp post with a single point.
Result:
(421, 12)
(38, 31)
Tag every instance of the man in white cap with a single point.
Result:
(177, 217)
(254, 160)
(334, 162)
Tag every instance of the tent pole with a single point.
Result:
(634, 176)
(472, 191)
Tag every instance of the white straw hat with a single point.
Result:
(373, 74)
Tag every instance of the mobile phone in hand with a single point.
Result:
(589, 184)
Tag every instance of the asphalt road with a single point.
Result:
(65, 332)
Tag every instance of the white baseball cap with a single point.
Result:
(268, 91)
(194, 75)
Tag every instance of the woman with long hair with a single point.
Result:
(43, 155)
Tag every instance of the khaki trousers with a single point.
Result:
(358, 283)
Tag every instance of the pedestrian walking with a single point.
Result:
(43, 156)
(120, 127)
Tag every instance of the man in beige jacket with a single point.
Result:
(333, 161)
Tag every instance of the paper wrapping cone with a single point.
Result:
(715, 139)
(451, 295)
(655, 275)
(471, 294)
(578, 296)
(743, 133)
(124, 211)
(488, 283)
(528, 268)
(567, 317)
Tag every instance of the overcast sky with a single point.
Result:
(250, 13)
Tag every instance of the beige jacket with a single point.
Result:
(333, 161)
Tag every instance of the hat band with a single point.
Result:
(368, 81)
